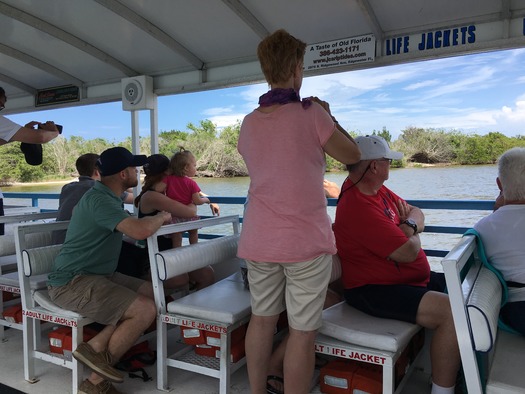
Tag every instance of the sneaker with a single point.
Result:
(100, 362)
(103, 387)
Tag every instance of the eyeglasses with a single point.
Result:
(383, 159)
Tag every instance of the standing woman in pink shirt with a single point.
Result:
(286, 238)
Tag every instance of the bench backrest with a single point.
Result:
(475, 297)
(188, 258)
(38, 261)
(7, 241)
(220, 252)
(34, 260)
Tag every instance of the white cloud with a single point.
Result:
(515, 115)
(475, 93)
(251, 94)
(226, 120)
(215, 111)
(421, 85)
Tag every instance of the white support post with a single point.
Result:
(154, 126)
(135, 147)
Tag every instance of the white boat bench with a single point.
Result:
(9, 282)
(7, 241)
(222, 307)
(348, 333)
(475, 295)
(34, 263)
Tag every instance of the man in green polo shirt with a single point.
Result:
(84, 278)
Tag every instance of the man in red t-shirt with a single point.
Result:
(385, 271)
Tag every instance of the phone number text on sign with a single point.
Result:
(340, 52)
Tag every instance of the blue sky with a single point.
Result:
(473, 94)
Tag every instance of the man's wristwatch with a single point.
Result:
(411, 223)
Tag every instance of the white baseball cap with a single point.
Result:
(375, 147)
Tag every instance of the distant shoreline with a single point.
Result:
(64, 181)
(41, 183)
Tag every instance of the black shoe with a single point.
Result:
(271, 389)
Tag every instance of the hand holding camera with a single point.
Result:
(33, 152)
(50, 126)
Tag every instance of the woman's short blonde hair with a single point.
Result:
(279, 55)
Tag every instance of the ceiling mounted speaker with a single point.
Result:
(137, 93)
(133, 92)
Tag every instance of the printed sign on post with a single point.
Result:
(340, 52)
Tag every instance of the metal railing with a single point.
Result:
(34, 197)
(448, 205)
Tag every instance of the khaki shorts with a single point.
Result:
(101, 298)
(300, 288)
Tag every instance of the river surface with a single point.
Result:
(431, 183)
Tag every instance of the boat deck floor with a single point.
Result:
(57, 380)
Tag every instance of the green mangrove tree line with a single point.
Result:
(217, 156)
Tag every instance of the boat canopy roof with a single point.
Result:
(75, 52)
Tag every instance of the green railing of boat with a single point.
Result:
(463, 205)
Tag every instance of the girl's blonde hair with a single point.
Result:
(179, 161)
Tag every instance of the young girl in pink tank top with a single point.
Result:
(180, 187)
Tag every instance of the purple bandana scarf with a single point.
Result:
(282, 96)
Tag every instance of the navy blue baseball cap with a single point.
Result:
(116, 159)
(156, 164)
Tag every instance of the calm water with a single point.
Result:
(462, 183)
(448, 183)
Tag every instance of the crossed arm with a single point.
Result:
(408, 252)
